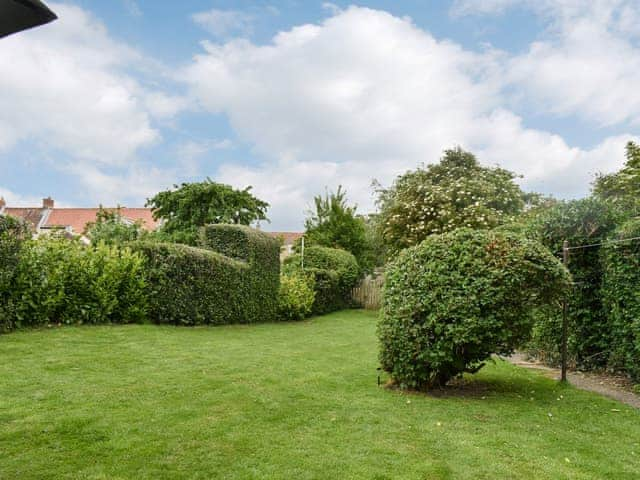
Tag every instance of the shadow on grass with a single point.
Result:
(483, 385)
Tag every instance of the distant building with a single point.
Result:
(73, 221)
(288, 241)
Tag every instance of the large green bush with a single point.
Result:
(296, 297)
(335, 272)
(621, 298)
(581, 222)
(455, 299)
(234, 278)
(62, 281)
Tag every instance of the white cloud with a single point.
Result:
(586, 64)
(132, 8)
(367, 95)
(64, 85)
(222, 23)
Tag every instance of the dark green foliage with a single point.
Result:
(335, 224)
(110, 229)
(457, 192)
(262, 253)
(623, 187)
(236, 283)
(13, 233)
(192, 286)
(455, 299)
(296, 297)
(63, 281)
(621, 298)
(580, 222)
(335, 272)
(190, 206)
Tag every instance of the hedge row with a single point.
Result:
(63, 281)
(234, 278)
(621, 298)
(333, 273)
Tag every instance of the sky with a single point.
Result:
(118, 100)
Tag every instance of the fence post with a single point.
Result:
(565, 327)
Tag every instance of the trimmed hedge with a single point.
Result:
(621, 298)
(581, 222)
(237, 283)
(296, 297)
(335, 272)
(456, 298)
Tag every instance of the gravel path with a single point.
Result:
(612, 386)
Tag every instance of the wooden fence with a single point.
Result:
(368, 294)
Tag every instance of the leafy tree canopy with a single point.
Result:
(457, 192)
(189, 206)
(111, 228)
(622, 187)
(333, 223)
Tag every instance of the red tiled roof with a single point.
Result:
(289, 237)
(78, 218)
(30, 215)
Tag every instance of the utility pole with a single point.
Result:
(565, 327)
(302, 253)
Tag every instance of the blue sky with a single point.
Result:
(117, 100)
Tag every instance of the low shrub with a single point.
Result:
(296, 297)
(335, 272)
(455, 299)
(62, 281)
(621, 298)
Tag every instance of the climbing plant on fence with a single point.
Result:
(621, 297)
(580, 222)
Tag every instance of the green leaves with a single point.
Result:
(192, 205)
(455, 193)
(456, 298)
(334, 272)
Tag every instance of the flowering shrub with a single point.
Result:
(457, 192)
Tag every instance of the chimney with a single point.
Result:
(47, 203)
(2, 203)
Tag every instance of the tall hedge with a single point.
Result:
(580, 222)
(13, 233)
(621, 298)
(261, 252)
(233, 278)
(335, 272)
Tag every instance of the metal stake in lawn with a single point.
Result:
(563, 347)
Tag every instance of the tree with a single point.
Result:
(111, 229)
(457, 192)
(335, 224)
(622, 187)
(189, 206)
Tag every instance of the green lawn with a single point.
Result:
(290, 401)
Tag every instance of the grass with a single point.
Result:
(289, 401)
